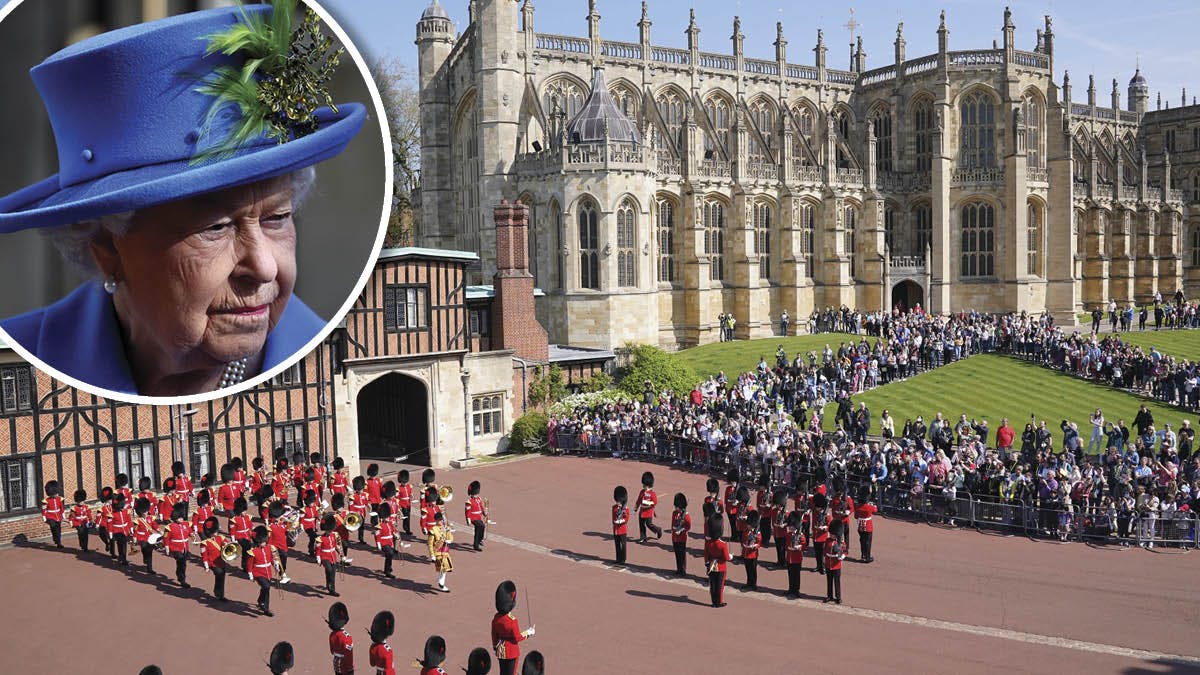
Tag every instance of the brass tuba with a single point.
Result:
(231, 552)
(445, 493)
(353, 522)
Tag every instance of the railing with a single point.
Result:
(805, 173)
(908, 261)
(801, 72)
(992, 176)
(714, 168)
(762, 171)
(893, 181)
(668, 165)
(977, 57)
(621, 50)
(533, 163)
(848, 176)
(717, 61)
(1037, 174)
(759, 67)
(1081, 109)
(679, 57)
(841, 77)
(562, 43)
(1032, 60)
(885, 74)
(579, 155)
(921, 65)
(1105, 114)
(1127, 193)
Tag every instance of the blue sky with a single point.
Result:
(1104, 37)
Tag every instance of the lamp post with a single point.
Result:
(466, 380)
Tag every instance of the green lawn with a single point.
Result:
(992, 387)
(740, 356)
(1180, 343)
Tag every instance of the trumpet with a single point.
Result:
(231, 552)
(353, 522)
(445, 493)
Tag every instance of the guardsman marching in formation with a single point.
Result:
(183, 484)
(385, 538)
(681, 524)
(143, 528)
(144, 485)
(475, 513)
(228, 492)
(123, 488)
(283, 658)
(359, 502)
(843, 507)
(240, 482)
(81, 519)
(341, 645)
(339, 480)
(309, 516)
(716, 555)
(179, 534)
(713, 486)
(104, 520)
(52, 512)
(535, 664)
(479, 662)
(620, 521)
(762, 504)
(795, 551)
(279, 536)
(404, 495)
(340, 512)
(258, 476)
(374, 487)
(646, 501)
(281, 482)
(120, 527)
(779, 514)
(381, 656)
(440, 539)
(819, 521)
(864, 513)
(314, 461)
(742, 499)
(435, 655)
(203, 511)
(730, 502)
(751, 543)
(262, 567)
(241, 529)
(327, 550)
(833, 564)
(506, 630)
(212, 544)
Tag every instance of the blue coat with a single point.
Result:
(79, 336)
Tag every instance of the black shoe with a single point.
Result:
(58, 546)
(184, 584)
(839, 601)
(267, 612)
(478, 548)
(720, 604)
(389, 575)
(222, 599)
(335, 594)
(827, 600)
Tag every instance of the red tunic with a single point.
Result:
(183, 488)
(842, 510)
(374, 490)
(730, 497)
(716, 549)
(278, 537)
(239, 481)
(309, 517)
(620, 519)
(777, 529)
(240, 526)
(681, 524)
(120, 524)
(53, 509)
(864, 513)
(327, 548)
(149, 497)
(104, 517)
(177, 537)
(80, 515)
(358, 504)
(795, 547)
(341, 646)
(226, 495)
(142, 529)
(385, 534)
(646, 502)
(202, 514)
(429, 517)
(257, 480)
(473, 508)
(319, 478)
(751, 543)
(404, 495)
(279, 485)
(718, 507)
(298, 475)
(210, 551)
(340, 484)
(128, 493)
(506, 634)
(381, 659)
(262, 562)
(164, 507)
(832, 562)
(762, 500)
(313, 486)
(820, 526)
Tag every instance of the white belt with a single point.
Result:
(263, 565)
(863, 520)
(179, 541)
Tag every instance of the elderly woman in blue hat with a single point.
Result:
(185, 147)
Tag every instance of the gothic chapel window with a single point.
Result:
(977, 147)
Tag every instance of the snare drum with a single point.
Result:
(154, 539)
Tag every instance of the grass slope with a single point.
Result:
(743, 355)
(1183, 344)
(992, 387)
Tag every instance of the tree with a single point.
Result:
(398, 89)
(599, 381)
(547, 386)
(663, 370)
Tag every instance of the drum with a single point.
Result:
(154, 539)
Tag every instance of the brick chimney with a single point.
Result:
(514, 321)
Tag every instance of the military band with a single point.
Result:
(213, 554)
(506, 630)
(440, 538)
(475, 511)
(646, 501)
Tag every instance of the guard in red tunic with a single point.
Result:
(311, 484)
(103, 519)
(81, 519)
(145, 491)
(475, 514)
(241, 529)
(121, 528)
(283, 658)
(339, 480)
(123, 488)
(479, 662)
(864, 513)
(646, 501)
(240, 483)
(385, 538)
(506, 631)
(310, 515)
(382, 627)
(435, 655)
(258, 477)
(389, 498)
(279, 538)
(228, 491)
(374, 492)
(179, 534)
(327, 551)
(144, 526)
(211, 543)
(743, 511)
(52, 512)
(819, 522)
(404, 495)
(751, 543)
(341, 645)
(778, 516)
(794, 535)
(296, 472)
(762, 504)
(730, 503)
(713, 486)
(203, 511)
(318, 467)
(359, 502)
(183, 484)
(206, 487)
(167, 501)
(340, 511)
(681, 524)
(843, 508)
(833, 563)
(262, 567)
(535, 664)
(620, 521)
(281, 481)
(716, 555)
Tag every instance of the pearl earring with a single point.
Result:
(110, 285)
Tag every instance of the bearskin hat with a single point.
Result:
(506, 597)
(372, 470)
(309, 475)
(256, 463)
(150, 670)
(752, 520)
(275, 511)
(211, 525)
(620, 494)
(731, 476)
(81, 495)
(680, 500)
(779, 497)
(106, 494)
(338, 463)
(283, 658)
(708, 510)
(358, 483)
(479, 662)
(743, 494)
(339, 616)
(714, 528)
(535, 664)
(384, 510)
(179, 511)
(835, 528)
(206, 480)
(281, 464)
(202, 498)
(819, 500)
(119, 501)
(314, 458)
(328, 523)
(168, 484)
(122, 480)
(647, 479)
(435, 651)
(310, 497)
(428, 476)
(473, 488)
(382, 626)
(389, 490)
(141, 506)
(236, 462)
(402, 476)
(795, 519)
(261, 534)
(177, 468)
(239, 506)
(712, 485)
(338, 501)
(52, 488)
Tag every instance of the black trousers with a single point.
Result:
(620, 541)
(282, 558)
(82, 533)
(716, 587)
(406, 512)
(864, 543)
(752, 573)
(219, 582)
(121, 542)
(794, 578)
(330, 575)
(680, 556)
(648, 524)
(732, 536)
(147, 556)
(106, 539)
(246, 545)
(780, 551)
(508, 666)
(388, 554)
(180, 566)
(844, 537)
(55, 531)
(764, 528)
(819, 553)
(312, 543)
(833, 584)
(480, 528)
(264, 593)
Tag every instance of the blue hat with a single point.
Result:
(133, 124)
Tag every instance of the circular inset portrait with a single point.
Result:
(189, 202)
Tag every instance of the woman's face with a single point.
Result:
(203, 280)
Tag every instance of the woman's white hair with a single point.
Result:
(74, 241)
